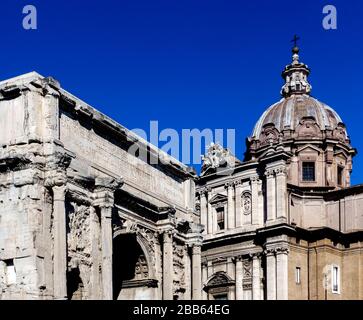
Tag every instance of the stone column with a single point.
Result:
(238, 207)
(95, 279)
(57, 162)
(60, 242)
(254, 194)
(188, 274)
(168, 265)
(230, 203)
(282, 273)
(271, 195)
(210, 272)
(210, 215)
(260, 206)
(231, 271)
(106, 240)
(239, 278)
(271, 274)
(256, 280)
(204, 279)
(104, 200)
(203, 210)
(281, 192)
(57, 181)
(196, 272)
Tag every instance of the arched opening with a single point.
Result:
(131, 276)
(74, 285)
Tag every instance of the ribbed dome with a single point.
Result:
(289, 111)
(303, 132)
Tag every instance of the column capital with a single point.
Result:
(168, 235)
(282, 250)
(238, 258)
(203, 191)
(200, 192)
(105, 188)
(229, 185)
(277, 249)
(196, 243)
(280, 171)
(55, 178)
(254, 179)
(196, 249)
(57, 163)
(59, 193)
(270, 252)
(255, 255)
(269, 173)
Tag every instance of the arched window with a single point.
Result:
(219, 286)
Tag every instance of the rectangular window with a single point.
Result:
(220, 218)
(335, 279)
(340, 176)
(308, 171)
(298, 275)
(10, 272)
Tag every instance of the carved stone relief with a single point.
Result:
(247, 274)
(246, 203)
(269, 134)
(141, 268)
(79, 244)
(179, 285)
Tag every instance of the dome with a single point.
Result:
(297, 115)
(289, 112)
(305, 133)
(297, 119)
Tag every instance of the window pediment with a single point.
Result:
(341, 155)
(218, 199)
(219, 279)
(308, 149)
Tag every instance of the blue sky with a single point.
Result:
(187, 63)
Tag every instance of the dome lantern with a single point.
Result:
(296, 75)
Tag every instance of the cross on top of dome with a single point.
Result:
(296, 75)
(295, 40)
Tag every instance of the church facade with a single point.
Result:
(89, 210)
